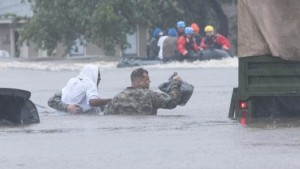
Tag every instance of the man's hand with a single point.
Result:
(74, 108)
(225, 47)
(177, 77)
(185, 53)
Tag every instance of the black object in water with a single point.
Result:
(186, 90)
(15, 107)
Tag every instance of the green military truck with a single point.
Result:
(269, 59)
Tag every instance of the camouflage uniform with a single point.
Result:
(56, 103)
(136, 101)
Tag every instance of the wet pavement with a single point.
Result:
(198, 135)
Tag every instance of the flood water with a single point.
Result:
(197, 135)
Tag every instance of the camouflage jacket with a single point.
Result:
(135, 101)
(56, 103)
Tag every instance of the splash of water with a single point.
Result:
(76, 66)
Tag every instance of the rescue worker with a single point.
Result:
(187, 47)
(170, 46)
(214, 41)
(160, 44)
(81, 93)
(152, 48)
(140, 100)
(180, 28)
(197, 35)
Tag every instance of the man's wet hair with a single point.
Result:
(138, 74)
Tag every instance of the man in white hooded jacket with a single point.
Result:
(81, 93)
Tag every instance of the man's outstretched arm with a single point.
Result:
(171, 99)
(56, 103)
(98, 102)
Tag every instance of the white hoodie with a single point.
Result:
(81, 89)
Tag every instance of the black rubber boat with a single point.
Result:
(208, 54)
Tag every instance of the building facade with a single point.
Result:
(10, 37)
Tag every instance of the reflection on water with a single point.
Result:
(95, 122)
(275, 144)
(273, 123)
(92, 123)
(39, 131)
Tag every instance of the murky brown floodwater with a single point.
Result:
(198, 135)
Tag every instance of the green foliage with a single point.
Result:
(106, 22)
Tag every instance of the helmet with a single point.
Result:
(195, 27)
(188, 31)
(172, 32)
(209, 28)
(180, 24)
(157, 32)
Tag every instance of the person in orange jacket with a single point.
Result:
(197, 35)
(214, 41)
(187, 46)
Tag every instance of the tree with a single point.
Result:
(107, 22)
(64, 21)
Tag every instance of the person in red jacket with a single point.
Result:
(197, 35)
(214, 41)
(180, 28)
(187, 46)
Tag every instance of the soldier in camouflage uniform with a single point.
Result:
(140, 100)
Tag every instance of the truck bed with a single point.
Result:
(268, 76)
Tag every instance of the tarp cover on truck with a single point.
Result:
(269, 27)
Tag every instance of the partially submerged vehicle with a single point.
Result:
(16, 108)
(269, 60)
(207, 54)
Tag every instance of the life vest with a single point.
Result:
(211, 42)
(189, 45)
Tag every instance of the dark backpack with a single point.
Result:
(186, 90)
